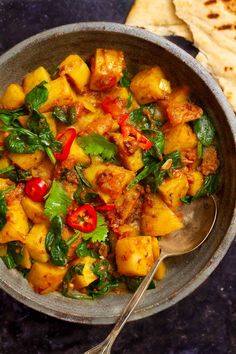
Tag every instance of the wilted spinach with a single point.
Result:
(15, 174)
(67, 117)
(36, 97)
(14, 254)
(204, 130)
(125, 80)
(54, 244)
(11, 117)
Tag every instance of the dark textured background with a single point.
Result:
(203, 323)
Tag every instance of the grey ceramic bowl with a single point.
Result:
(140, 47)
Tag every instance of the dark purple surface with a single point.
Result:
(203, 323)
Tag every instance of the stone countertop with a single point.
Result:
(202, 323)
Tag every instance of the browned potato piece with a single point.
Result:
(174, 188)
(135, 255)
(17, 226)
(157, 218)
(149, 85)
(26, 260)
(180, 137)
(196, 180)
(81, 281)
(182, 112)
(59, 93)
(27, 161)
(210, 161)
(108, 180)
(34, 210)
(101, 125)
(35, 242)
(34, 78)
(126, 203)
(45, 278)
(132, 161)
(178, 94)
(13, 97)
(106, 70)
(76, 70)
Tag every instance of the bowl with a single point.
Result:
(141, 48)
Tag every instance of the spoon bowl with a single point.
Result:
(199, 219)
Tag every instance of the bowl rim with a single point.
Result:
(230, 116)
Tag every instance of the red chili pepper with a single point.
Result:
(1, 143)
(111, 105)
(36, 189)
(106, 207)
(66, 137)
(123, 119)
(83, 218)
(143, 142)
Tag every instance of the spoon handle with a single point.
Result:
(105, 346)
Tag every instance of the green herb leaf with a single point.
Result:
(36, 97)
(105, 283)
(147, 170)
(139, 120)
(14, 254)
(209, 187)
(133, 283)
(125, 80)
(3, 210)
(100, 233)
(158, 140)
(187, 199)
(78, 169)
(70, 274)
(9, 117)
(175, 156)
(21, 141)
(97, 145)
(83, 251)
(130, 99)
(67, 117)
(204, 130)
(54, 244)
(57, 202)
(199, 150)
(53, 71)
(15, 174)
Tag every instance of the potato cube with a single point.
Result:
(45, 278)
(59, 93)
(26, 260)
(35, 242)
(43, 170)
(180, 137)
(34, 210)
(174, 188)
(178, 94)
(126, 203)
(182, 112)
(76, 155)
(5, 183)
(108, 180)
(149, 85)
(161, 271)
(157, 218)
(134, 255)
(196, 180)
(27, 161)
(51, 122)
(4, 162)
(17, 226)
(133, 162)
(107, 68)
(81, 281)
(34, 78)
(13, 97)
(101, 125)
(76, 70)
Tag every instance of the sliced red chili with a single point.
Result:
(123, 119)
(36, 189)
(66, 137)
(112, 105)
(106, 207)
(83, 218)
(142, 140)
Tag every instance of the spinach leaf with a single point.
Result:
(15, 174)
(54, 244)
(158, 140)
(125, 80)
(139, 120)
(22, 141)
(54, 71)
(130, 99)
(154, 113)
(83, 180)
(14, 254)
(147, 170)
(199, 150)
(83, 251)
(209, 187)
(71, 273)
(67, 117)
(36, 97)
(133, 283)
(105, 283)
(57, 202)
(9, 117)
(175, 156)
(187, 199)
(204, 130)
(3, 210)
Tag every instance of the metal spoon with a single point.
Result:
(199, 219)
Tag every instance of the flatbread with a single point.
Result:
(213, 26)
(157, 16)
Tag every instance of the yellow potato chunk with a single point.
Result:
(13, 97)
(127, 202)
(196, 180)
(81, 281)
(34, 210)
(150, 85)
(17, 226)
(76, 155)
(45, 278)
(108, 180)
(180, 137)
(43, 170)
(76, 70)
(5, 183)
(4, 162)
(122, 94)
(172, 189)
(134, 161)
(107, 68)
(157, 218)
(59, 93)
(161, 271)
(34, 78)
(51, 122)
(26, 260)
(27, 161)
(35, 242)
(134, 255)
